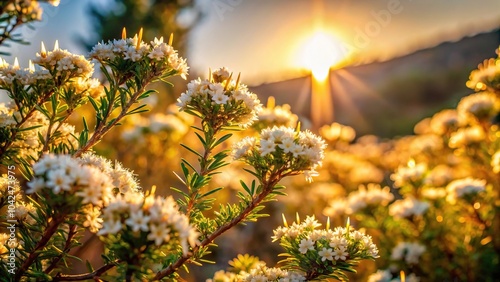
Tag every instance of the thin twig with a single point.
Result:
(103, 128)
(49, 131)
(67, 247)
(6, 34)
(209, 140)
(92, 275)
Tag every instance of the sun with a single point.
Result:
(322, 51)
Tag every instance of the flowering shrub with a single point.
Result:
(338, 250)
(220, 96)
(282, 151)
(69, 188)
(408, 202)
(311, 254)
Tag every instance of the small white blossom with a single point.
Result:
(409, 252)
(462, 187)
(305, 245)
(267, 147)
(326, 254)
(159, 233)
(407, 207)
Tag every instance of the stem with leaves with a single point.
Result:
(33, 255)
(115, 97)
(53, 120)
(208, 165)
(264, 196)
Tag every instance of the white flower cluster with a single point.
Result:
(27, 9)
(173, 124)
(159, 217)
(233, 101)
(263, 273)
(445, 121)
(91, 179)
(223, 276)
(466, 136)
(409, 174)
(339, 244)
(338, 132)
(370, 195)
(407, 207)
(23, 211)
(302, 151)
(62, 174)
(481, 105)
(122, 178)
(439, 176)
(462, 187)
(409, 252)
(426, 144)
(277, 115)
(132, 49)
(380, 276)
(487, 72)
(10, 74)
(72, 71)
(336, 207)
(62, 63)
(386, 276)
(82, 87)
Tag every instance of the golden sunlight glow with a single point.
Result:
(321, 52)
(321, 101)
(402, 276)
(139, 40)
(43, 52)
(31, 66)
(486, 240)
(284, 220)
(271, 102)
(171, 39)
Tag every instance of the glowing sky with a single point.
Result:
(263, 39)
